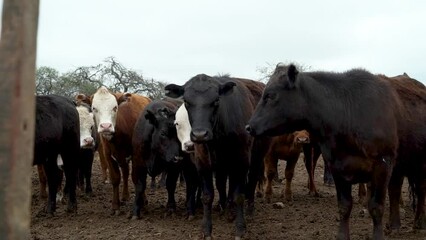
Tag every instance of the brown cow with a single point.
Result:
(285, 147)
(115, 117)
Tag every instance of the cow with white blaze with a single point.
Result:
(115, 118)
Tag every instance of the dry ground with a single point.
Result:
(307, 217)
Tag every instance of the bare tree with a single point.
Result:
(110, 73)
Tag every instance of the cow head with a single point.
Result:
(202, 95)
(301, 137)
(104, 107)
(183, 129)
(87, 125)
(164, 142)
(283, 107)
(82, 98)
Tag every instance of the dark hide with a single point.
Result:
(218, 109)
(57, 132)
(354, 115)
(411, 161)
(157, 149)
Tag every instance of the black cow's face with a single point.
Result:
(282, 106)
(202, 95)
(164, 142)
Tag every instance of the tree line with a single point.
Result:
(87, 79)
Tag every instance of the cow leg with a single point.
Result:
(192, 182)
(70, 170)
(139, 175)
(87, 170)
(42, 180)
(125, 171)
(171, 181)
(238, 181)
(271, 170)
(208, 197)
(394, 188)
(221, 178)
(52, 173)
(362, 194)
(420, 218)
(256, 168)
(104, 163)
(311, 158)
(379, 183)
(163, 180)
(328, 177)
(344, 201)
(289, 173)
(115, 177)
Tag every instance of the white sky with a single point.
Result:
(175, 40)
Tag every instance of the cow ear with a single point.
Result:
(226, 88)
(150, 116)
(174, 91)
(292, 73)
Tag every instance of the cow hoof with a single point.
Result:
(259, 194)
(237, 238)
(190, 218)
(420, 223)
(314, 193)
(207, 238)
(278, 205)
(134, 218)
(107, 181)
(364, 212)
(115, 212)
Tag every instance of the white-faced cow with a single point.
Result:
(115, 118)
(218, 108)
(57, 132)
(156, 150)
(362, 124)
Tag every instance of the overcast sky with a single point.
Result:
(175, 40)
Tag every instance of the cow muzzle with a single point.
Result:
(250, 130)
(188, 146)
(88, 143)
(200, 135)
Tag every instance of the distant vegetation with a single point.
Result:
(88, 79)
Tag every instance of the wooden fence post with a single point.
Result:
(17, 88)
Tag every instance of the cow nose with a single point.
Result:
(106, 125)
(189, 146)
(250, 130)
(303, 140)
(199, 135)
(88, 141)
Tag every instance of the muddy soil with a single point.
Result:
(306, 217)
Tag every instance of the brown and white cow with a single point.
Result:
(115, 117)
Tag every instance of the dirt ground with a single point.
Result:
(306, 217)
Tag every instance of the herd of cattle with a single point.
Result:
(369, 129)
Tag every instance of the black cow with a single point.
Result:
(353, 115)
(157, 149)
(218, 108)
(57, 132)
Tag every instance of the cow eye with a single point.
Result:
(163, 133)
(94, 109)
(216, 103)
(114, 109)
